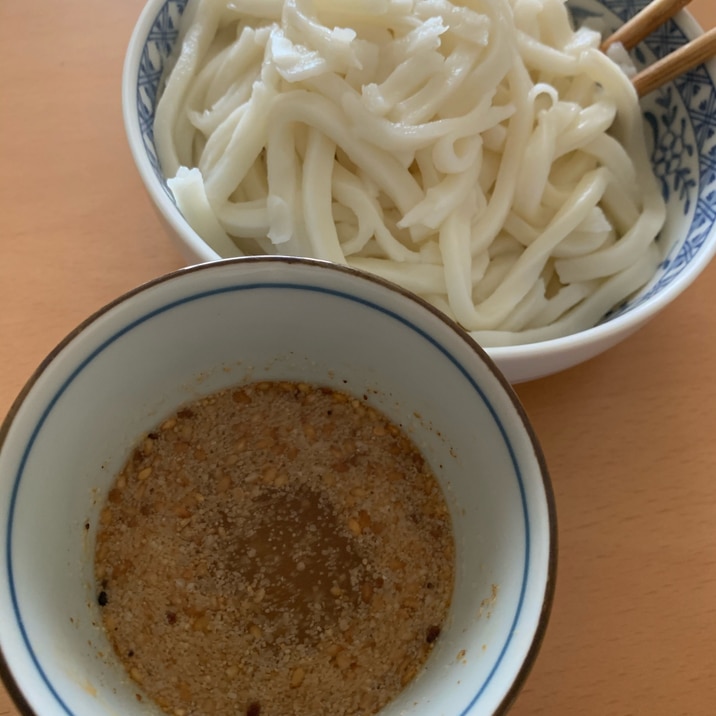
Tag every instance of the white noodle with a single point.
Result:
(481, 153)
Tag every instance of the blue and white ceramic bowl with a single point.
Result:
(222, 323)
(681, 129)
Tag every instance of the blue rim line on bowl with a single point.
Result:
(550, 585)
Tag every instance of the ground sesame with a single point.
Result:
(274, 548)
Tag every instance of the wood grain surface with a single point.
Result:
(630, 437)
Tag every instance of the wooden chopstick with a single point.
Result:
(677, 63)
(655, 14)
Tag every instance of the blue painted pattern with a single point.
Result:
(680, 122)
(157, 49)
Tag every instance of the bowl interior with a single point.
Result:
(680, 136)
(250, 319)
(680, 129)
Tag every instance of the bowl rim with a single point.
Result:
(130, 99)
(620, 325)
(544, 480)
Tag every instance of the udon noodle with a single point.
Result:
(481, 153)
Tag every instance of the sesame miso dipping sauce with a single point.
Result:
(274, 548)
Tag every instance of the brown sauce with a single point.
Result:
(274, 549)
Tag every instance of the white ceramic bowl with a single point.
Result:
(222, 323)
(681, 130)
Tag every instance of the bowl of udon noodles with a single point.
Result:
(485, 155)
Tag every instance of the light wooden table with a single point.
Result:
(630, 437)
